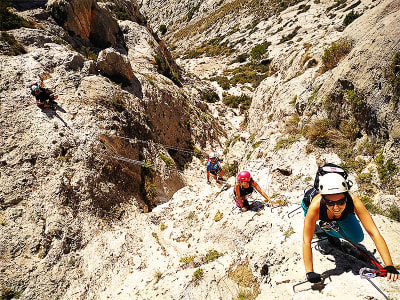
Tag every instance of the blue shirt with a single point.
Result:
(213, 165)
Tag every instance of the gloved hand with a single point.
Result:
(392, 273)
(313, 277)
(391, 269)
(208, 182)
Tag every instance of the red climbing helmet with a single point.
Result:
(244, 176)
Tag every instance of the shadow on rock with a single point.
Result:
(346, 257)
(256, 206)
(51, 113)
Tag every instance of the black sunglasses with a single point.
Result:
(337, 202)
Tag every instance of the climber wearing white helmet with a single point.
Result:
(336, 206)
(214, 168)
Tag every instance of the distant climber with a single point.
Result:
(214, 167)
(44, 97)
(337, 209)
(244, 186)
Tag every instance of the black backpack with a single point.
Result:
(311, 192)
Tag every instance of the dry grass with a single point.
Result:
(244, 277)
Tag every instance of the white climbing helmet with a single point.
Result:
(212, 155)
(332, 183)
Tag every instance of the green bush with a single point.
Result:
(258, 52)
(319, 133)
(209, 96)
(386, 170)
(15, 48)
(9, 20)
(187, 260)
(335, 53)
(369, 204)
(284, 143)
(394, 212)
(198, 275)
(350, 17)
(162, 28)
(243, 101)
(168, 161)
(211, 256)
(241, 58)
(58, 12)
(121, 14)
(222, 81)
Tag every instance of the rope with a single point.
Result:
(135, 140)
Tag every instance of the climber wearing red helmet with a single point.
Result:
(245, 185)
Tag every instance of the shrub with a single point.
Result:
(243, 101)
(151, 193)
(350, 129)
(244, 277)
(335, 53)
(369, 204)
(350, 17)
(314, 94)
(218, 216)
(209, 96)
(364, 178)
(58, 12)
(121, 14)
(211, 256)
(230, 169)
(241, 58)
(187, 260)
(284, 143)
(198, 275)
(394, 212)
(318, 133)
(15, 48)
(258, 52)
(168, 161)
(291, 35)
(288, 232)
(162, 28)
(222, 81)
(9, 20)
(385, 170)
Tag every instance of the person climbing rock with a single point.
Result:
(244, 186)
(44, 98)
(335, 204)
(214, 168)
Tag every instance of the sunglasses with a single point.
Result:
(337, 202)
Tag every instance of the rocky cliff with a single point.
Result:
(105, 196)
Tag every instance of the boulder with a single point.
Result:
(115, 66)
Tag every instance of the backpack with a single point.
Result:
(311, 192)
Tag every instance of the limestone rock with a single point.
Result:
(116, 66)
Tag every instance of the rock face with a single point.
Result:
(87, 20)
(106, 196)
